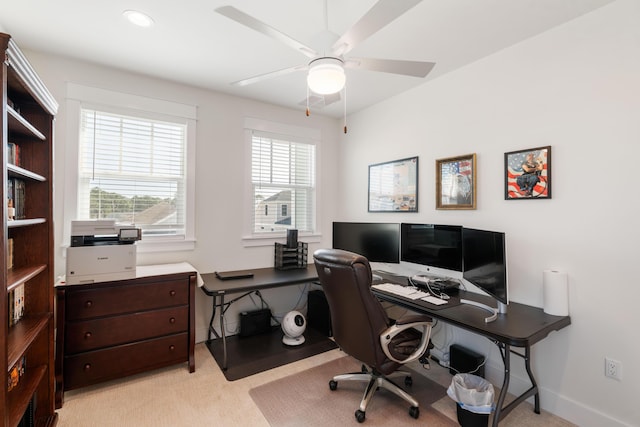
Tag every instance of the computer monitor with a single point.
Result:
(376, 241)
(432, 245)
(485, 263)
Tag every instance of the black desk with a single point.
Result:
(521, 327)
(263, 278)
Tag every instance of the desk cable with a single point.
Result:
(484, 361)
(297, 306)
(263, 305)
(440, 295)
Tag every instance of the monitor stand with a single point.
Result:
(502, 308)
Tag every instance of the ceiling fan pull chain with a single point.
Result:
(308, 111)
(345, 108)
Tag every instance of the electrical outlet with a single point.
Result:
(612, 369)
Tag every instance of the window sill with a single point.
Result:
(253, 241)
(162, 245)
(157, 246)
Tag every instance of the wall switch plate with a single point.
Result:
(612, 369)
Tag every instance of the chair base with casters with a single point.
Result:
(364, 331)
(376, 380)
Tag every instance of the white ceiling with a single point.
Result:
(190, 43)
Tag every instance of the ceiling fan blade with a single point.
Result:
(251, 22)
(270, 75)
(331, 98)
(320, 101)
(381, 14)
(394, 66)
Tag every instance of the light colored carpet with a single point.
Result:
(172, 397)
(305, 399)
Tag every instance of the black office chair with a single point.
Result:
(362, 329)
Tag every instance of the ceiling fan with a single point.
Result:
(326, 66)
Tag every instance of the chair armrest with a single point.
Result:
(413, 318)
(387, 336)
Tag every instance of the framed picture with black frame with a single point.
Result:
(456, 182)
(393, 186)
(527, 174)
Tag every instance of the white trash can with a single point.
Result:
(474, 398)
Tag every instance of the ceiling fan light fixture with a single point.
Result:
(326, 76)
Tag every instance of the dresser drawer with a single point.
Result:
(127, 298)
(102, 365)
(107, 331)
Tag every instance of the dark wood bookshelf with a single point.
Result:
(24, 391)
(18, 172)
(27, 120)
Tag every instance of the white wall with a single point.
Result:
(220, 174)
(576, 88)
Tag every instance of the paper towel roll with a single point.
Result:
(555, 292)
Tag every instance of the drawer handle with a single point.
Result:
(88, 304)
(172, 293)
(87, 335)
(172, 347)
(87, 367)
(172, 320)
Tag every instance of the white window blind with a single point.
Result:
(132, 169)
(283, 182)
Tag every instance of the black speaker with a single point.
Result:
(318, 315)
(255, 322)
(292, 238)
(463, 361)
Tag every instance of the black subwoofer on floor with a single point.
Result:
(463, 361)
(318, 315)
(255, 322)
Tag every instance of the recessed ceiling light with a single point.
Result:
(138, 18)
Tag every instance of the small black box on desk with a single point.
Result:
(255, 322)
(463, 361)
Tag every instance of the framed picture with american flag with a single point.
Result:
(528, 174)
(456, 182)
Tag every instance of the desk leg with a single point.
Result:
(501, 411)
(506, 359)
(534, 386)
(212, 330)
(224, 335)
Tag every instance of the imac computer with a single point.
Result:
(432, 245)
(378, 242)
(485, 266)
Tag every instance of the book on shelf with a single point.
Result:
(16, 373)
(10, 253)
(29, 416)
(16, 194)
(16, 304)
(13, 153)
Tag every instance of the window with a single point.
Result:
(132, 169)
(129, 154)
(283, 178)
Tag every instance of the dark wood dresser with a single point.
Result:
(114, 329)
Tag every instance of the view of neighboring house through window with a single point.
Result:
(283, 183)
(132, 169)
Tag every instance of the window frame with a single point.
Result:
(288, 133)
(79, 97)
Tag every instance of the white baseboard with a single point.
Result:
(551, 402)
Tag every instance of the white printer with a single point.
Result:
(101, 251)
